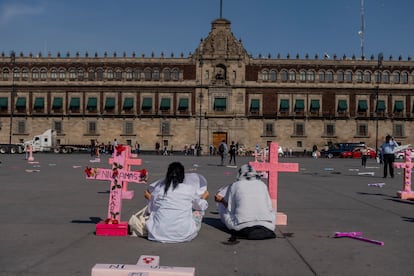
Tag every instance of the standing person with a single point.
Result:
(245, 206)
(222, 149)
(157, 147)
(364, 153)
(176, 205)
(232, 152)
(387, 149)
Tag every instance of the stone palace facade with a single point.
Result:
(218, 92)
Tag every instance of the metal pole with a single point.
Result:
(201, 100)
(380, 58)
(13, 62)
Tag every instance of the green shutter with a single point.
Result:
(110, 103)
(57, 103)
(398, 106)
(4, 102)
(342, 105)
(284, 105)
(128, 103)
(183, 104)
(165, 104)
(220, 103)
(299, 105)
(362, 106)
(74, 103)
(21, 103)
(146, 104)
(255, 105)
(380, 106)
(92, 103)
(315, 105)
(39, 103)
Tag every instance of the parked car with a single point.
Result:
(335, 150)
(357, 153)
(401, 154)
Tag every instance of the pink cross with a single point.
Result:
(118, 176)
(126, 163)
(273, 167)
(407, 166)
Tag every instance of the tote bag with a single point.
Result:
(137, 223)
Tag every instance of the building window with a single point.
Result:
(156, 74)
(25, 74)
(380, 106)
(311, 76)
(146, 104)
(273, 75)
(234, 77)
(269, 130)
(314, 106)
(99, 74)
(128, 104)
(39, 104)
(330, 76)
(165, 128)
(43, 74)
(110, 74)
(362, 130)
(183, 104)
(220, 104)
(358, 76)
(292, 75)
(175, 74)
(330, 130)
(92, 105)
(398, 130)
(404, 77)
(81, 74)
(128, 128)
(284, 75)
(167, 74)
(16, 74)
(321, 76)
(147, 74)
(302, 75)
(265, 75)
(299, 105)
(74, 105)
(340, 76)
(128, 75)
(21, 104)
(4, 104)
(6, 74)
(57, 104)
(118, 75)
(299, 129)
(348, 76)
(57, 126)
(91, 75)
(396, 77)
(367, 76)
(136, 74)
(92, 128)
(110, 104)
(21, 127)
(165, 104)
(362, 106)
(72, 74)
(62, 74)
(35, 74)
(254, 106)
(386, 77)
(284, 105)
(398, 106)
(342, 106)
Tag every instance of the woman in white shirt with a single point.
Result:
(176, 205)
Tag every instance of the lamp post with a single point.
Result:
(380, 58)
(13, 63)
(200, 97)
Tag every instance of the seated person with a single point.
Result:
(176, 205)
(245, 206)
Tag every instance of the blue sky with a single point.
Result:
(264, 26)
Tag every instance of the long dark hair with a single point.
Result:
(175, 176)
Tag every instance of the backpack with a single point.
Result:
(221, 148)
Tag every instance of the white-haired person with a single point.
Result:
(245, 206)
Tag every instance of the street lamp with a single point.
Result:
(200, 96)
(13, 63)
(380, 58)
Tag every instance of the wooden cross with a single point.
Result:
(118, 175)
(407, 166)
(30, 151)
(273, 167)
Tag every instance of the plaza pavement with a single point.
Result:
(48, 221)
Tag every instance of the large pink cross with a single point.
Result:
(118, 175)
(126, 163)
(407, 166)
(273, 167)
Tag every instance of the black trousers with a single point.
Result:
(389, 164)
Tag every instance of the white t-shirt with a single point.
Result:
(171, 215)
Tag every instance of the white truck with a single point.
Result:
(46, 142)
